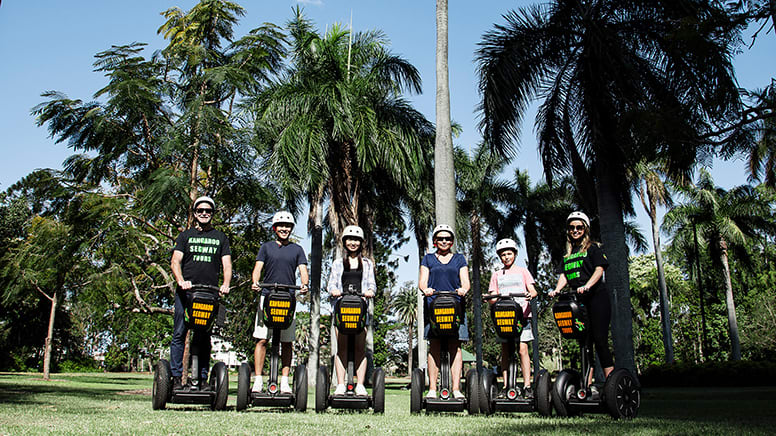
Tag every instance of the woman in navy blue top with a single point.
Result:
(444, 271)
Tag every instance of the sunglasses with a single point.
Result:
(573, 228)
(445, 238)
(202, 210)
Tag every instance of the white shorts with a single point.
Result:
(525, 336)
(260, 331)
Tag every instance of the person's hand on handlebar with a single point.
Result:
(583, 289)
(255, 286)
(461, 291)
(554, 293)
(185, 284)
(303, 289)
(336, 292)
(224, 289)
(369, 293)
(428, 292)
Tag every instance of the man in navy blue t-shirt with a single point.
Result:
(279, 261)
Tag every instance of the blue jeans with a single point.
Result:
(200, 343)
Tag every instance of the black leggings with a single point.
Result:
(599, 310)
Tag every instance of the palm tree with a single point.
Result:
(444, 169)
(618, 85)
(404, 305)
(724, 220)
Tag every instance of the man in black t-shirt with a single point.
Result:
(200, 254)
(279, 261)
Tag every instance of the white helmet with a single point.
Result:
(353, 232)
(578, 216)
(442, 228)
(505, 244)
(204, 199)
(283, 217)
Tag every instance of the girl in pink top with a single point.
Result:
(514, 279)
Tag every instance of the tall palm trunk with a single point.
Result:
(476, 293)
(316, 263)
(422, 242)
(49, 337)
(735, 343)
(444, 169)
(617, 277)
(665, 313)
(704, 342)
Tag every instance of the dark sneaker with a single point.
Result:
(176, 384)
(528, 392)
(203, 385)
(502, 393)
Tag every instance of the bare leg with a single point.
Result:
(525, 364)
(457, 363)
(341, 357)
(258, 355)
(361, 357)
(504, 363)
(285, 356)
(433, 369)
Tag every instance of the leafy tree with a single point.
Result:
(620, 82)
(404, 306)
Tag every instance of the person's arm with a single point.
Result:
(423, 281)
(371, 284)
(493, 286)
(531, 291)
(177, 272)
(226, 262)
(304, 277)
(463, 274)
(529, 281)
(561, 284)
(597, 274)
(256, 275)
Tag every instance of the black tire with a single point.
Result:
(219, 382)
(473, 392)
(417, 386)
(567, 382)
(488, 391)
(243, 386)
(300, 392)
(162, 384)
(378, 391)
(622, 394)
(543, 394)
(321, 389)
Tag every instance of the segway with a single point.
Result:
(620, 395)
(508, 320)
(350, 318)
(445, 314)
(277, 314)
(201, 312)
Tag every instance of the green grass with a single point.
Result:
(121, 404)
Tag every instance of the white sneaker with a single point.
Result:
(284, 387)
(361, 390)
(458, 395)
(431, 394)
(258, 385)
(340, 390)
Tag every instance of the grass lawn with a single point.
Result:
(121, 404)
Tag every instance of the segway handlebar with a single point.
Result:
(202, 287)
(509, 295)
(278, 286)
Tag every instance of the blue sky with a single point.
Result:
(50, 45)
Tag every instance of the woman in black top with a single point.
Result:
(583, 270)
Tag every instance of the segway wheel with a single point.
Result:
(243, 386)
(162, 384)
(565, 385)
(622, 394)
(300, 388)
(472, 392)
(543, 394)
(219, 382)
(378, 391)
(321, 389)
(417, 385)
(488, 391)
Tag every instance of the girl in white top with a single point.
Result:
(514, 279)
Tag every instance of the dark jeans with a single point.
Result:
(200, 343)
(600, 313)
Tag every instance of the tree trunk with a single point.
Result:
(316, 265)
(444, 169)
(735, 343)
(476, 292)
(422, 242)
(701, 298)
(617, 277)
(193, 169)
(49, 338)
(665, 314)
